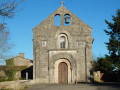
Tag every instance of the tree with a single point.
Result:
(8, 8)
(103, 64)
(114, 39)
(110, 62)
(4, 46)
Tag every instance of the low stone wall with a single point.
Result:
(16, 85)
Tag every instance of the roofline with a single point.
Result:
(19, 57)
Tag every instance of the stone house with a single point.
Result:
(23, 65)
(19, 61)
(62, 53)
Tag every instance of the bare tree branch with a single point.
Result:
(8, 9)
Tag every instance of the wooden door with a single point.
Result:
(63, 73)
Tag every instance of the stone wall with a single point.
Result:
(18, 61)
(16, 85)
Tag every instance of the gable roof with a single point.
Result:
(19, 57)
(62, 11)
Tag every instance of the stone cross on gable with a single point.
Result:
(62, 3)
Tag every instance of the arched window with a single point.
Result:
(57, 20)
(62, 42)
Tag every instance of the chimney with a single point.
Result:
(21, 55)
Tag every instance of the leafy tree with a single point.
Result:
(103, 64)
(8, 8)
(114, 39)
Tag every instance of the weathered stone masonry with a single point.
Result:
(48, 54)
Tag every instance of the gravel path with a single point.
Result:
(107, 86)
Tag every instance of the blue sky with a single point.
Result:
(92, 12)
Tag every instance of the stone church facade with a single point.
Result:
(62, 54)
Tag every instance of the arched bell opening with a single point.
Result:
(67, 20)
(57, 20)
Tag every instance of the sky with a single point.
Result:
(92, 12)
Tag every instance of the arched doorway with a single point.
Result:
(60, 65)
(63, 73)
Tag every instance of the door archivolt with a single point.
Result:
(59, 66)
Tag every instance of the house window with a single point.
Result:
(62, 42)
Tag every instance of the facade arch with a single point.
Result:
(60, 34)
(69, 60)
(66, 56)
(56, 69)
(62, 41)
(57, 20)
(67, 20)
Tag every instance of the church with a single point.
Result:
(62, 49)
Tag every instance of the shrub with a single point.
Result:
(10, 74)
